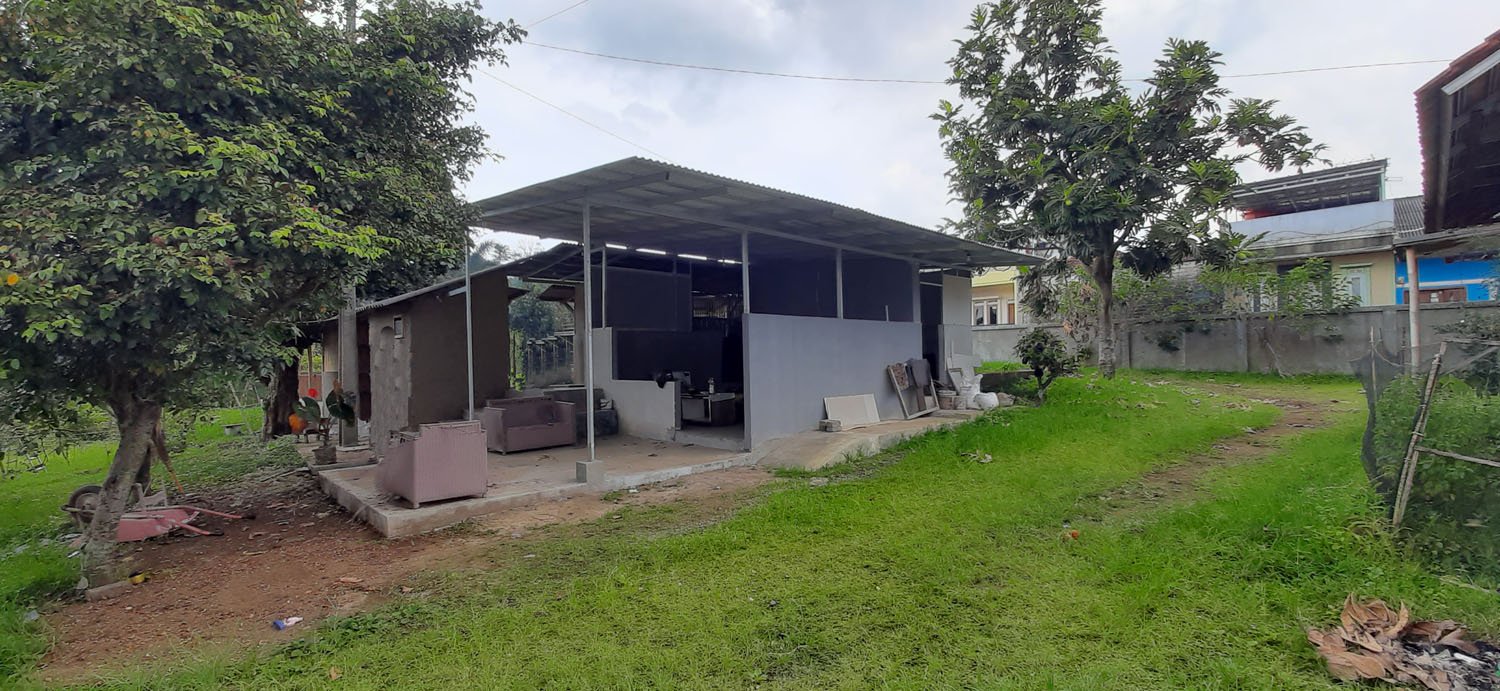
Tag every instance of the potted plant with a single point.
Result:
(337, 405)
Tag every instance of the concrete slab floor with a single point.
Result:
(814, 450)
(520, 479)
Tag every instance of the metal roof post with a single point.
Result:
(469, 319)
(745, 270)
(838, 278)
(590, 471)
(916, 292)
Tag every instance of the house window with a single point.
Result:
(399, 326)
(990, 312)
(1356, 279)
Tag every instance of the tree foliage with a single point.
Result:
(1050, 149)
(1047, 356)
(181, 179)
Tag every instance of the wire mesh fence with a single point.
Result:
(1432, 447)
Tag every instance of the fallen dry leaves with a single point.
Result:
(1373, 642)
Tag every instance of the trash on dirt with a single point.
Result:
(283, 624)
(817, 482)
(978, 457)
(1373, 642)
(31, 616)
(351, 580)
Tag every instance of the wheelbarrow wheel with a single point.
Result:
(82, 504)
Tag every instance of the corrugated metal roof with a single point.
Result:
(641, 203)
(1408, 213)
(1358, 183)
(447, 283)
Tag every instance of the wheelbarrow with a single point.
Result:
(149, 515)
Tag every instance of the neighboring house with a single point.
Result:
(779, 299)
(1340, 214)
(995, 301)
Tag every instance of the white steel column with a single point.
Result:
(590, 470)
(1413, 300)
(916, 293)
(604, 286)
(745, 270)
(838, 279)
(469, 319)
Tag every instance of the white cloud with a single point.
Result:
(873, 145)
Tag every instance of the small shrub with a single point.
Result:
(1048, 358)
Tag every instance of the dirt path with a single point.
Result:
(302, 556)
(1182, 481)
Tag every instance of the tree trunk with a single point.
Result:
(137, 421)
(282, 401)
(1104, 279)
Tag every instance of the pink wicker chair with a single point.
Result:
(443, 460)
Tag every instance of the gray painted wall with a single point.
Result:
(793, 363)
(1257, 344)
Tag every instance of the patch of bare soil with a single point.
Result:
(302, 556)
(1181, 481)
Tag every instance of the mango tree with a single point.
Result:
(181, 179)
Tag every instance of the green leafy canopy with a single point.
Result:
(181, 181)
(1051, 150)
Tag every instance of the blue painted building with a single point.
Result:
(1462, 278)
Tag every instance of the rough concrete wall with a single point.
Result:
(645, 409)
(793, 363)
(1257, 344)
(390, 374)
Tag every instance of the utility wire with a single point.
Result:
(573, 115)
(877, 80)
(708, 68)
(571, 7)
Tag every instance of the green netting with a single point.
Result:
(1453, 515)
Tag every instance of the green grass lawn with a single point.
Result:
(33, 562)
(921, 569)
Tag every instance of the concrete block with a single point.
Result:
(590, 472)
(105, 592)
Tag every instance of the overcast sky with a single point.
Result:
(873, 146)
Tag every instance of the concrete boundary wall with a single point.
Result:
(1257, 343)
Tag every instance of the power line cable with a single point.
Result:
(573, 115)
(880, 80)
(732, 70)
(569, 8)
